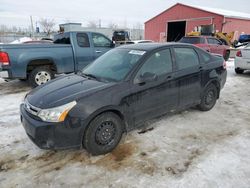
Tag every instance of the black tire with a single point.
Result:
(209, 98)
(239, 71)
(103, 133)
(227, 55)
(44, 73)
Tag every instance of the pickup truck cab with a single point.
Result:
(70, 52)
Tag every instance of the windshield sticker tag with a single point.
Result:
(137, 52)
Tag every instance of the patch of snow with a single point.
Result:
(223, 12)
(184, 149)
(21, 40)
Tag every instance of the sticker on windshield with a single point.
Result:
(137, 52)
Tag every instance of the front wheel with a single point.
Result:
(239, 71)
(40, 75)
(103, 133)
(208, 98)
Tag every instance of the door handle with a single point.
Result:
(98, 51)
(169, 78)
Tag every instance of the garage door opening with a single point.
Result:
(176, 30)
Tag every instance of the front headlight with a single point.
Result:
(57, 114)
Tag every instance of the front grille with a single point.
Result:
(31, 109)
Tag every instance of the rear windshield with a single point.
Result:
(63, 38)
(192, 40)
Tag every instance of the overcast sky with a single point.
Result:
(123, 13)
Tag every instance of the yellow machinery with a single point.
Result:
(226, 37)
(207, 30)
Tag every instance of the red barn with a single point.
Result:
(180, 19)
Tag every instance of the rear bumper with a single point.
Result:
(46, 135)
(3, 73)
(241, 63)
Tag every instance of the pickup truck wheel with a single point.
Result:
(239, 71)
(103, 134)
(208, 98)
(40, 75)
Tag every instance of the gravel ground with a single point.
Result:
(185, 149)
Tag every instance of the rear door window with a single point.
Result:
(186, 58)
(82, 40)
(205, 56)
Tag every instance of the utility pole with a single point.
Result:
(32, 28)
(100, 23)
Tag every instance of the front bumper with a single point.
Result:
(47, 135)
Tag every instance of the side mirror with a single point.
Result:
(112, 44)
(145, 78)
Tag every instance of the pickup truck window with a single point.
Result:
(100, 40)
(63, 38)
(186, 58)
(82, 40)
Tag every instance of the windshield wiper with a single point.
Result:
(102, 79)
(89, 76)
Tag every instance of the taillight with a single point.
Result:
(225, 65)
(4, 58)
(239, 54)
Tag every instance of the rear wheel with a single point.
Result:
(208, 98)
(239, 71)
(103, 134)
(40, 75)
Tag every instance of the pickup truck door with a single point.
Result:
(101, 44)
(83, 51)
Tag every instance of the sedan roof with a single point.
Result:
(151, 46)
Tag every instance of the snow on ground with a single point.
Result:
(185, 149)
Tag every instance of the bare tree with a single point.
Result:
(47, 25)
(92, 24)
(14, 29)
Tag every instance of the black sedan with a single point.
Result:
(120, 91)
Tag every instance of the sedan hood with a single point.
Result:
(63, 90)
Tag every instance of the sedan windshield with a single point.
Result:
(114, 65)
